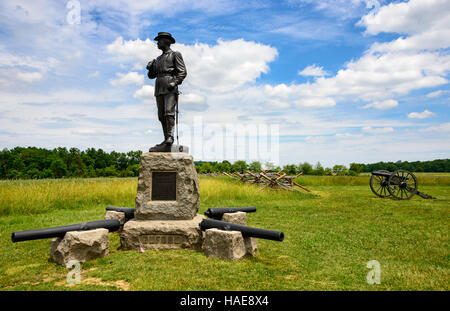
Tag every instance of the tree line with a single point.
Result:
(354, 169)
(39, 163)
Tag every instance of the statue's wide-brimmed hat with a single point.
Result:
(164, 35)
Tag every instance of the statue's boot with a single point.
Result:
(162, 145)
(170, 123)
(164, 127)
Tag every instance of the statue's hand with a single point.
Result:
(150, 64)
(171, 85)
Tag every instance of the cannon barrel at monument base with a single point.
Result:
(54, 232)
(128, 211)
(245, 230)
(217, 212)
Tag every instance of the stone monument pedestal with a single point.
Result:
(162, 234)
(166, 205)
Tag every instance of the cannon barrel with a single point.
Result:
(245, 230)
(217, 212)
(54, 232)
(128, 211)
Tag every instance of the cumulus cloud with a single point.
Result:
(313, 71)
(128, 78)
(407, 17)
(421, 115)
(382, 105)
(426, 24)
(146, 92)
(315, 102)
(225, 66)
(386, 70)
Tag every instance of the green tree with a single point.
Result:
(255, 166)
(318, 169)
(110, 171)
(339, 169)
(226, 166)
(306, 168)
(59, 168)
(290, 169)
(206, 168)
(239, 166)
(356, 167)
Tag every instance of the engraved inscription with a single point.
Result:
(172, 239)
(164, 186)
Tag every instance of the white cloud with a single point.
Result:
(279, 90)
(10, 60)
(30, 76)
(436, 94)
(315, 102)
(277, 104)
(128, 78)
(314, 71)
(378, 130)
(421, 115)
(410, 17)
(211, 68)
(383, 105)
(348, 135)
(192, 98)
(444, 127)
(427, 24)
(146, 92)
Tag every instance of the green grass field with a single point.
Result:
(328, 239)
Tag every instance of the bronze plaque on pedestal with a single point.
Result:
(164, 186)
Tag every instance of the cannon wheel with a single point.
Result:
(402, 185)
(378, 184)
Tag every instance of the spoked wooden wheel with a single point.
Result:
(402, 185)
(378, 184)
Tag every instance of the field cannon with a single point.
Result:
(217, 212)
(245, 230)
(400, 185)
(54, 232)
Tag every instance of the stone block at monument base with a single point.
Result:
(227, 245)
(115, 215)
(162, 234)
(240, 218)
(168, 187)
(80, 246)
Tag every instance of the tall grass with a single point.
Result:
(28, 197)
(426, 179)
(216, 191)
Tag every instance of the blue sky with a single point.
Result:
(345, 80)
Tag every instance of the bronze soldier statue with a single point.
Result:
(169, 71)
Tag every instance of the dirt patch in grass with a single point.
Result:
(119, 284)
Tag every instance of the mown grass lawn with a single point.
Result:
(328, 239)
